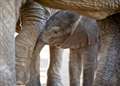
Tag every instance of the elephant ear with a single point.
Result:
(84, 34)
(77, 39)
(91, 29)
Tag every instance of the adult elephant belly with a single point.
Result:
(96, 9)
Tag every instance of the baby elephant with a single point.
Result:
(66, 29)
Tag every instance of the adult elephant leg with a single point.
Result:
(7, 43)
(35, 65)
(33, 18)
(54, 71)
(89, 64)
(25, 43)
(75, 67)
(107, 74)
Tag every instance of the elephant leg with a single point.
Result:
(54, 71)
(89, 64)
(33, 18)
(107, 71)
(25, 43)
(7, 43)
(35, 65)
(75, 67)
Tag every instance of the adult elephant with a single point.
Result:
(97, 9)
(7, 44)
(108, 69)
(8, 19)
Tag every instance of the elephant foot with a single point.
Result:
(54, 83)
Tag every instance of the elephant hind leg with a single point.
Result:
(54, 71)
(75, 67)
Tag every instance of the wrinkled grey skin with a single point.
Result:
(108, 7)
(33, 17)
(82, 37)
(54, 77)
(34, 79)
(7, 48)
(108, 68)
(9, 12)
(27, 61)
(98, 9)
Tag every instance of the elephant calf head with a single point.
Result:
(67, 29)
(58, 27)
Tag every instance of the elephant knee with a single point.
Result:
(23, 50)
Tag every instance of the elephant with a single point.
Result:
(66, 29)
(107, 73)
(7, 43)
(107, 15)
